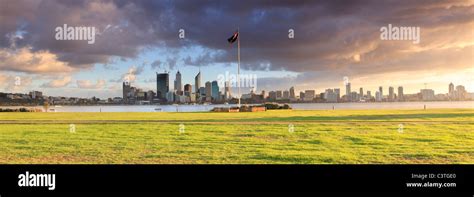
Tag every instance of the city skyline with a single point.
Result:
(343, 41)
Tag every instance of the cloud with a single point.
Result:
(331, 37)
(87, 84)
(15, 83)
(27, 61)
(58, 83)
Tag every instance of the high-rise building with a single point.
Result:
(400, 93)
(309, 95)
(197, 82)
(208, 91)
(369, 95)
(215, 90)
(227, 92)
(125, 90)
(162, 85)
(337, 91)
(391, 93)
(348, 91)
(427, 94)
(381, 93)
(361, 92)
(378, 96)
(451, 87)
(286, 94)
(292, 93)
(177, 84)
(188, 89)
(279, 94)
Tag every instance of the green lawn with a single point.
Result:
(319, 137)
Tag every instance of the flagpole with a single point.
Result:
(238, 66)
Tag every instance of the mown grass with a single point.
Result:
(323, 137)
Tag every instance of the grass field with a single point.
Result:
(319, 137)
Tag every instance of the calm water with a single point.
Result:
(300, 106)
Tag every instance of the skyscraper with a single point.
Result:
(451, 90)
(227, 93)
(188, 89)
(361, 92)
(292, 93)
(125, 90)
(208, 91)
(197, 82)
(400, 93)
(177, 84)
(162, 85)
(381, 92)
(391, 94)
(215, 90)
(348, 92)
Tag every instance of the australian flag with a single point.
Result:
(234, 37)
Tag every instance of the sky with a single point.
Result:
(332, 39)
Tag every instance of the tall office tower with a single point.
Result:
(188, 89)
(208, 91)
(215, 90)
(227, 93)
(292, 93)
(361, 92)
(197, 82)
(125, 90)
(348, 92)
(451, 90)
(162, 85)
(381, 92)
(369, 94)
(391, 95)
(286, 94)
(337, 91)
(400, 93)
(177, 84)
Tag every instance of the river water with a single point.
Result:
(298, 106)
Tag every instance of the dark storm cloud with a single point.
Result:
(328, 34)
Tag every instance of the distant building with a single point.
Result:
(330, 96)
(337, 91)
(378, 96)
(36, 94)
(292, 93)
(348, 92)
(361, 92)
(309, 95)
(279, 94)
(162, 85)
(188, 89)
(391, 93)
(227, 91)
(177, 84)
(381, 92)
(197, 82)
(451, 91)
(427, 94)
(215, 91)
(286, 94)
(400, 93)
(208, 91)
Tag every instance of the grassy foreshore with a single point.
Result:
(322, 136)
